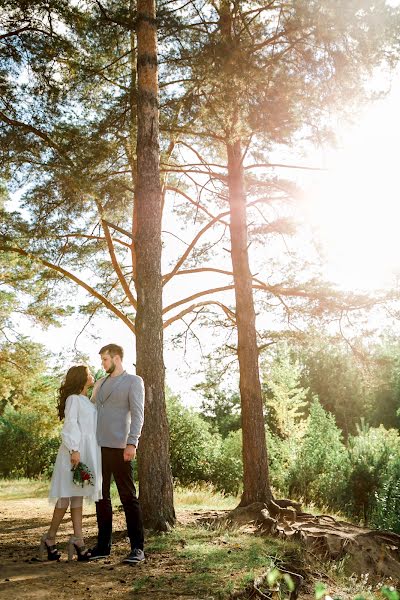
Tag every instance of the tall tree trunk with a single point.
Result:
(132, 140)
(256, 487)
(156, 491)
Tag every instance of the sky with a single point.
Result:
(355, 206)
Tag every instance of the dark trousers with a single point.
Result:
(113, 464)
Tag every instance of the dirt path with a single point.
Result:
(23, 576)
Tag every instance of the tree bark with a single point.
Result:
(256, 486)
(156, 490)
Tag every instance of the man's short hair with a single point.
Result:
(113, 350)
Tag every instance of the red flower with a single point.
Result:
(82, 475)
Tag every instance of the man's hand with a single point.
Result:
(129, 452)
(75, 458)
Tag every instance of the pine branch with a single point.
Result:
(117, 267)
(25, 28)
(192, 245)
(199, 156)
(229, 313)
(280, 165)
(91, 237)
(125, 24)
(194, 202)
(202, 270)
(194, 171)
(75, 279)
(198, 295)
(43, 136)
(15, 32)
(118, 228)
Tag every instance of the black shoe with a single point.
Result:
(52, 551)
(97, 552)
(136, 556)
(81, 552)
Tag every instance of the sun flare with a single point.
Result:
(355, 206)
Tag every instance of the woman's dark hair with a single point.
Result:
(74, 383)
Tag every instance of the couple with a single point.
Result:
(103, 434)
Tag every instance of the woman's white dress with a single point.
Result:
(78, 433)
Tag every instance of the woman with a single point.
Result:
(78, 445)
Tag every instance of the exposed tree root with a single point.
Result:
(366, 550)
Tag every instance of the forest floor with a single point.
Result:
(192, 562)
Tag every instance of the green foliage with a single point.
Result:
(29, 427)
(83, 131)
(192, 446)
(321, 466)
(245, 83)
(24, 382)
(219, 408)
(385, 511)
(390, 593)
(385, 385)
(284, 397)
(281, 458)
(331, 373)
(227, 473)
(26, 290)
(28, 444)
(371, 453)
(198, 455)
(320, 590)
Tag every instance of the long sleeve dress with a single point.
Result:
(78, 433)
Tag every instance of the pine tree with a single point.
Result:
(260, 75)
(156, 496)
(75, 130)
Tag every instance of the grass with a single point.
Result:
(20, 489)
(211, 563)
(198, 497)
(203, 497)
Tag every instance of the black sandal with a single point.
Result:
(52, 551)
(82, 553)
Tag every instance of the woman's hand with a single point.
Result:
(75, 458)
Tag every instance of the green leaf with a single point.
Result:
(390, 593)
(273, 576)
(289, 582)
(320, 589)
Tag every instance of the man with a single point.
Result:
(119, 398)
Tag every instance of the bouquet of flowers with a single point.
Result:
(82, 475)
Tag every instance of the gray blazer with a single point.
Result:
(120, 410)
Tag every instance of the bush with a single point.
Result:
(197, 455)
(370, 452)
(385, 513)
(281, 458)
(320, 470)
(28, 445)
(227, 475)
(192, 446)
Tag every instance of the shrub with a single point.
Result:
(192, 446)
(385, 513)
(28, 444)
(371, 453)
(320, 470)
(281, 458)
(198, 455)
(227, 475)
